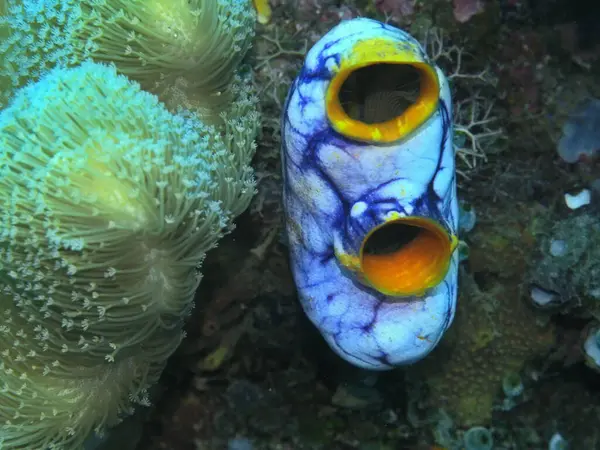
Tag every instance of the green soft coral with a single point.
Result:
(109, 204)
(154, 42)
(43, 407)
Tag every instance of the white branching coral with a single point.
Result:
(477, 129)
(109, 204)
(150, 41)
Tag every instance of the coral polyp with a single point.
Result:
(110, 203)
(153, 42)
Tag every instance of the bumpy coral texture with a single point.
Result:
(109, 204)
(579, 235)
(494, 334)
(154, 42)
(496, 331)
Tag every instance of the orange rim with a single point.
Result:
(418, 262)
(378, 51)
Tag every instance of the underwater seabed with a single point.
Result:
(517, 369)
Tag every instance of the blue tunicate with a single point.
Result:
(581, 132)
(478, 438)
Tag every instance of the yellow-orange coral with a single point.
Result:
(504, 239)
(263, 10)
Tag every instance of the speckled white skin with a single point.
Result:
(337, 189)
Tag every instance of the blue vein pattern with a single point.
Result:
(336, 190)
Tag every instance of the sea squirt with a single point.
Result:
(370, 194)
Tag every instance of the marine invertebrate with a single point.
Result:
(110, 203)
(494, 333)
(512, 385)
(474, 129)
(263, 10)
(580, 137)
(152, 42)
(478, 438)
(558, 442)
(369, 192)
(396, 8)
(591, 348)
(279, 58)
(579, 199)
(476, 124)
(465, 9)
(46, 403)
(513, 389)
(552, 269)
